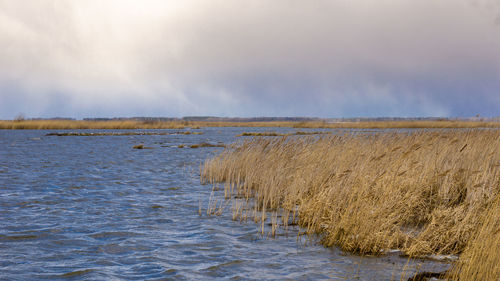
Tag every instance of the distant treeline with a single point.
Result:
(249, 119)
(274, 119)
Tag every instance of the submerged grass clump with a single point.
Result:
(100, 134)
(205, 144)
(260, 134)
(274, 134)
(424, 193)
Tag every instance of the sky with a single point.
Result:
(317, 58)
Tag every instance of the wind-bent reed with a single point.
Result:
(426, 192)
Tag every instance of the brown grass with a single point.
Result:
(481, 258)
(398, 124)
(100, 134)
(358, 125)
(422, 193)
(130, 124)
(74, 125)
(206, 144)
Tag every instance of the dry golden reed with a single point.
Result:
(399, 124)
(481, 258)
(77, 124)
(355, 125)
(424, 193)
(132, 124)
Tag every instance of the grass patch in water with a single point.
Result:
(274, 134)
(97, 134)
(424, 193)
(76, 273)
(17, 237)
(260, 134)
(141, 146)
(206, 144)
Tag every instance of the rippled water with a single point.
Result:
(94, 208)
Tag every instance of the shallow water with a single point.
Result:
(94, 208)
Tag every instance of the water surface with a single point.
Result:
(94, 208)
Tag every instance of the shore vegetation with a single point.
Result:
(181, 124)
(425, 193)
(81, 124)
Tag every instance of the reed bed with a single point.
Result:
(358, 125)
(424, 193)
(77, 124)
(180, 124)
(127, 124)
(481, 258)
(416, 124)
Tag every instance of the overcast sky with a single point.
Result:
(336, 58)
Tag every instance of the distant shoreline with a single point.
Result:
(138, 123)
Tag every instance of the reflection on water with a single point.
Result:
(92, 207)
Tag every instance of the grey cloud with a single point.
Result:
(250, 58)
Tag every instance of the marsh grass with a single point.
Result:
(357, 125)
(76, 124)
(99, 134)
(417, 124)
(481, 258)
(424, 193)
(180, 124)
(205, 144)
